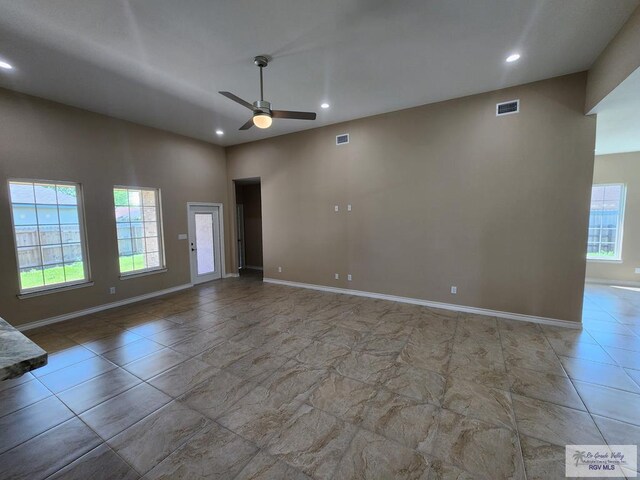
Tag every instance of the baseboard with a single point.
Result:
(428, 303)
(252, 267)
(100, 308)
(231, 275)
(606, 281)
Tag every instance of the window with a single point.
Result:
(605, 222)
(139, 229)
(49, 234)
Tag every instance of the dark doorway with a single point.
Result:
(249, 226)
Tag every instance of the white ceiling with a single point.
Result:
(161, 62)
(618, 124)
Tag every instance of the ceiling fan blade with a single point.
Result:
(237, 99)
(247, 125)
(293, 115)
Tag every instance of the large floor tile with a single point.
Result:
(545, 386)
(624, 358)
(478, 401)
(216, 395)
(543, 360)
(295, 380)
(407, 421)
(22, 395)
(427, 356)
(132, 351)
(265, 467)
(554, 423)
(414, 382)
(20, 426)
(320, 354)
(183, 377)
(198, 342)
(343, 397)
(365, 367)
(224, 354)
(97, 390)
(485, 449)
(480, 363)
(599, 373)
(122, 411)
(112, 342)
(155, 363)
(152, 439)
(214, 453)
(76, 374)
(616, 432)
(259, 415)
(578, 349)
(609, 402)
(101, 463)
(542, 460)
(64, 359)
(47, 453)
(257, 364)
(313, 442)
(372, 456)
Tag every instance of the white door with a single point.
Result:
(205, 243)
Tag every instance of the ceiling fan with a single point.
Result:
(262, 113)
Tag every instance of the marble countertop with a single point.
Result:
(18, 354)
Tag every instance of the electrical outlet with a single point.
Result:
(336, 208)
(112, 290)
(349, 208)
(637, 270)
(279, 269)
(454, 290)
(349, 277)
(337, 275)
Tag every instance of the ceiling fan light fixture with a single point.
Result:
(262, 120)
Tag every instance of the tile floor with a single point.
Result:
(243, 380)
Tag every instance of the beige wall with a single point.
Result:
(443, 194)
(619, 59)
(45, 140)
(621, 168)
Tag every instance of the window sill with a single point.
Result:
(604, 260)
(128, 276)
(38, 293)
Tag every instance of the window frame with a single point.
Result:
(84, 243)
(161, 250)
(617, 258)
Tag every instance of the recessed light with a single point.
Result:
(513, 57)
(325, 105)
(5, 65)
(219, 132)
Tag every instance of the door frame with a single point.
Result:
(223, 269)
(240, 241)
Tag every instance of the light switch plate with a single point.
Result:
(336, 208)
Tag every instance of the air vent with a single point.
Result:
(507, 108)
(342, 139)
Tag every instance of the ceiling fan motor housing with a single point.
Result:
(262, 106)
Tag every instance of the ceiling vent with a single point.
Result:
(507, 108)
(342, 139)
